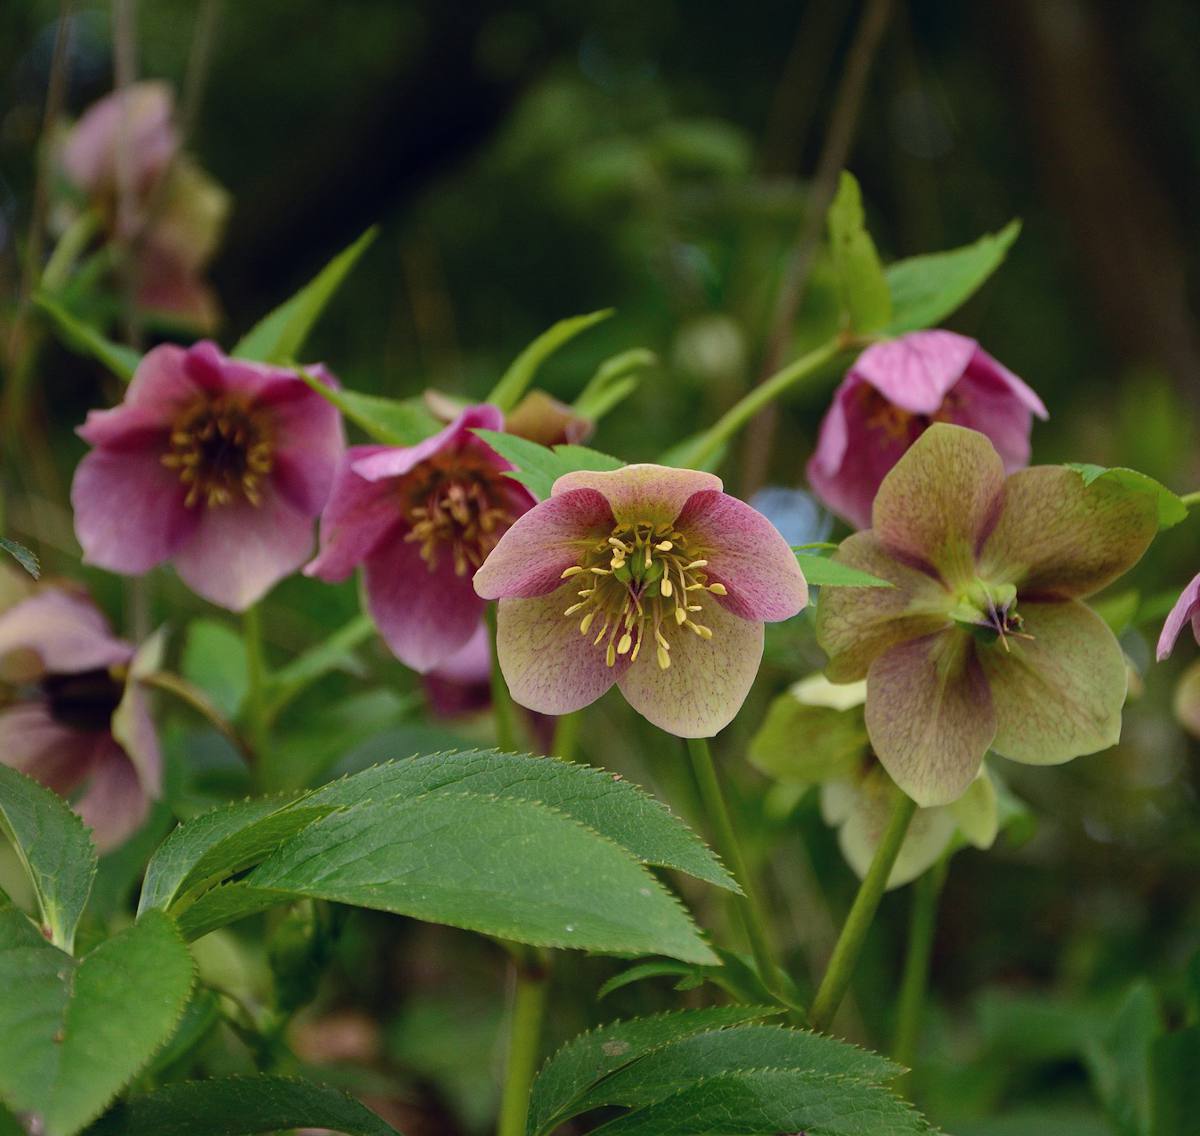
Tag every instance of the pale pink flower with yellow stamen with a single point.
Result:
(648, 577)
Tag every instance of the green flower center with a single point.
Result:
(643, 581)
(990, 612)
(222, 450)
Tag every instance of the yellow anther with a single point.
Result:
(664, 546)
(664, 659)
(717, 589)
(696, 564)
(681, 614)
(624, 643)
(574, 608)
(666, 587)
(610, 656)
(586, 622)
(700, 629)
(574, 570)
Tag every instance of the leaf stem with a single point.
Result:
(1191, 499)
(566, 736)
(845, 952)
(193, 696)
(502, 703)
(293, 679)
(257, 726)
(530, 981)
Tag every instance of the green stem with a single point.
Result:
(566, 736)
(921, 928)
(707, 445)
(193, 696)
(502, 703)
(749, 908)
(68, 249)
(845, 952)
(531, 973)
(1190, 499)
(293, 679)
(257, 727)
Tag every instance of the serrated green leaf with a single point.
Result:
(241, 1106)
(22, 555)
(214, 659)
(392, 421)
(1171, 510)
(612, 807)
(279, 336)
(514, 382)
(77, 336)
(513, 868)
(827, 573)
(226, 904)
(591, 1056)
(55, 849)
(73, 1034)
(539, 467)
(926, 289)
(861, 283)
(614, 381)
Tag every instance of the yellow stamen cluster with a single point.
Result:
(642, 582)
(460, 502)
(222, 450)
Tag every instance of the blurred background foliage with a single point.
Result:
(533, 160)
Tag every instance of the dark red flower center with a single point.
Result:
(83, 701)
(223, 450)
(901, 425)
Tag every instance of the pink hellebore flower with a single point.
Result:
(894, 391)
(78, 716)
(1186, 609)
(216, 464)
(420, 520)
(982, 642)
(647, 577)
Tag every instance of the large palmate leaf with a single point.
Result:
(538, 467)
(861, 283)
(74, 1033)
(521, 371)
(54, 847)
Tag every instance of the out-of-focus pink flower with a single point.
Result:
(420, 520)
(893, 393)
(462, 683)
(79, 718)
(216, 464)
(1186, 609)
(648, 577)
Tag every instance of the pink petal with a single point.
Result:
(162, 382)
(708, 679)
(33, 743)
(1187, 607)
(549, 666)
(471, 663)
(424, 617)
(641, 493)
(137, 120)
(114, 805)
(67, 632)
(530, 557)
(745, 553)
(916, 371)
(985, 371)
(309, 442)
(132, 723)
(238, 552)
(398, 460)
(359, 515)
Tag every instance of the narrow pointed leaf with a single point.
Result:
(614, 381)
(22, 555)
(392, 421)
(514, 382)
(861, 283)
(79, 337)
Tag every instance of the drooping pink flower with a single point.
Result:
(894, 391)
(79, 721)
(1186, 609)
(462, 684)
(420, 520)
(215, 464)
(648, 577)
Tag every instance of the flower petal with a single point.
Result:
(916, 371)
(397, 460)
(67, 632)
(423, 616)
(33, 743)
(529, 559)
(549, 666)
(746, 554)
(357, 518)
(1058, 694)
(1186, 608)
(162, 383)
(1058, 537)
(132, 723)
(115, 804)
(977, 812)
(309, 442)
(929, 715)
(854, 625)
(708, 679)
(941, 500)
(641, 493)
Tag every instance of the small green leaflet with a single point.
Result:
(539, 467)
(22, 556)
(392, 421)
(615, 380)
(514, 382)
(1171, 510)
(861, 282)
(828, 573)
(83, 339)
(926, 289)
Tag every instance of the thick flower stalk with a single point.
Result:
(215, 464)
(420, 520)
(75, 717)
(895, 391)
(983, 641)
(647, 577)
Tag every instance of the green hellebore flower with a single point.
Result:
(983, 642)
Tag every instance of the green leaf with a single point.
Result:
(214, 659)
(926, 289)
(827, 573)
(73, 1034)
(614, 381)
(514, 868)
(22, 555)
(516, 379)
(55, 849)
(590, 1057)
(808, 744)
(77, 336)
(612, 807)
(1171, 510)
(539, 467)
(1118, 1058)
(330, 654)
(224, 905)
(394, 422)
(1175, 1085)
(241, 1106)
(279, 336)
(861, 283)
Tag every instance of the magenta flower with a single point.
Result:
(420, 520)
(894, 391)
(648, 577)
(79, 718)
(1187, 608)
(215, 464)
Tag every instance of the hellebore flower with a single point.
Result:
(420, 520)
(983, 642)
(216, 464)
(76, 716)
(647, 577)
(894, 391)
(1186, 609)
